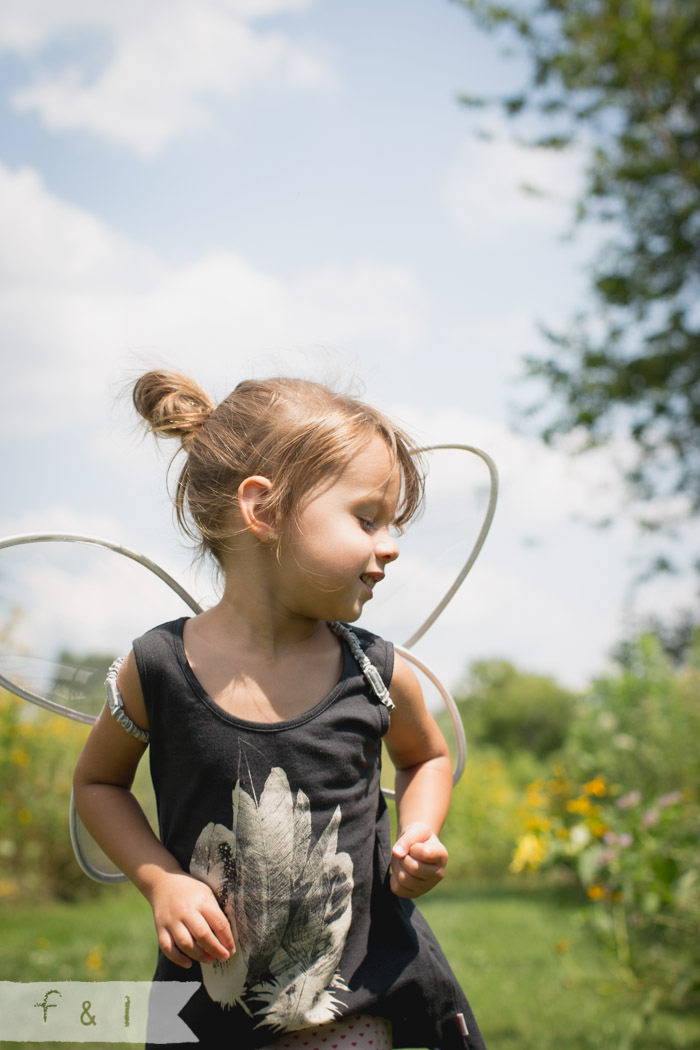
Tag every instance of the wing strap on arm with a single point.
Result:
(116, 704)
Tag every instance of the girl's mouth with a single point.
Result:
(370, 579)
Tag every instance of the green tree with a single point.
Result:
(514, 710)
(621, 79)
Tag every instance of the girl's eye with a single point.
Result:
(367, 525)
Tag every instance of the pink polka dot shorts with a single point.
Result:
(357, 1032)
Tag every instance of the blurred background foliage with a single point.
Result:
(608, 803)
(38, 752)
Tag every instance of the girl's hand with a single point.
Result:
(418, 861)
(189, 921)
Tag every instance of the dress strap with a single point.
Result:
(116, 704)
(366, 666)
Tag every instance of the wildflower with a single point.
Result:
(625, 839)
(580, 836)
(597, 826)
(581, 805)
(625, 742)
(559, 785)
(19, 757)
(537, 823)
(669, 800)
(95, 958)
(650, 817)
(535, 796)
(596, 892)
(632, 798)
(529, 854)
(598, 787)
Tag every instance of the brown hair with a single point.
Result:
(294, 432)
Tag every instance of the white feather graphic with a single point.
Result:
(213, 862)
(289, 904)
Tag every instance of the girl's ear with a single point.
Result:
(260, 520)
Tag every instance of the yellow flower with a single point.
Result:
(598, 787)
(19, 757)
(597, 826)
(530, 852)
(581, 805)
(559, 784)
(535, 796)
(95, 959)
(537, 823)
(596, 892)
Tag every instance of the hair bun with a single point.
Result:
(172, 404)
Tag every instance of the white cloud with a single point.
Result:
(484, 191)
(79, 305)
(158, 64)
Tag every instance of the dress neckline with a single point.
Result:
(348, 671)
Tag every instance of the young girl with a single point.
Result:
(274, 881)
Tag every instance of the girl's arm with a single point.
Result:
(423, 787)
(188, 919)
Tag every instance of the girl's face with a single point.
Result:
(336, 551)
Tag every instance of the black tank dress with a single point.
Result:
(287, 824)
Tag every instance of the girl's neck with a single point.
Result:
(259, 624)
(250, 611)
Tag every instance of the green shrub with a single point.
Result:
(621, 813)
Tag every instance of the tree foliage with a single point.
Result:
(621, 79)
(515, 710)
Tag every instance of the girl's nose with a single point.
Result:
(387, 547)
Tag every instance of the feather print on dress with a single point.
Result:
(288, 900)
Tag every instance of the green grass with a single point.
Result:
(110, 937)
(536, 977)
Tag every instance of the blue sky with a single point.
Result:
(245, 186)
